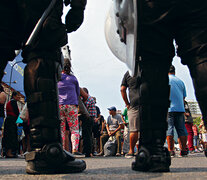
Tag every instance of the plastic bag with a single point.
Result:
(19, 120)
(24, 114)
(110, 147)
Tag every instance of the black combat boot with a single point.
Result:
(152, 155)
(47, 155)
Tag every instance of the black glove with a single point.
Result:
(74, 19)
(66, 2)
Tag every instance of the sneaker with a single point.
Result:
(118, 154)
(196, 151)
(100, 154)
(78, 154)
(183, 154)
(128, 155)
(191, 152)
(95, 153)
(172, 153)
(200, 149)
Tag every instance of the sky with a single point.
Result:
(94, 65)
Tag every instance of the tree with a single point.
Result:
(197, 121)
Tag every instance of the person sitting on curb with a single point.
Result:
(113, 125)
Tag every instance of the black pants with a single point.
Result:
(10, 140)
(161, 22)
(87, 124)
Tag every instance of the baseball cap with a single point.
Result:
(112, 108)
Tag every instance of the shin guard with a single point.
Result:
(47, 154)
(154, 102)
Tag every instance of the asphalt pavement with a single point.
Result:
(192, 167)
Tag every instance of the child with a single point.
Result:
(204, 136)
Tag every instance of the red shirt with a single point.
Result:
(12, 108)
(195, 130)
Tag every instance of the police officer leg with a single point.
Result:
(199, 76)
(154, 101)
(47, 155)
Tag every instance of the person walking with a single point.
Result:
(176, 114)
(188, 126)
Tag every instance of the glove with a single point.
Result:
(66, 2)
(74, 19)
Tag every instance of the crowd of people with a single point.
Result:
(86, 133)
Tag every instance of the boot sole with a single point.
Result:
(160, 168)
(61, 170)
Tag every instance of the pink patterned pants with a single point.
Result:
(69, 114)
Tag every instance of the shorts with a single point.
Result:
(133, 117)
(177, 120)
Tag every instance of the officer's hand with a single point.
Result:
(74, 19)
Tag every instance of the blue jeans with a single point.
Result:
(195, 140)
(177, 120)
(1, 121)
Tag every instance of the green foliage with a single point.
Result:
(197, 121)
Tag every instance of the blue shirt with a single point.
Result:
(177, 94)
(68, 90)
